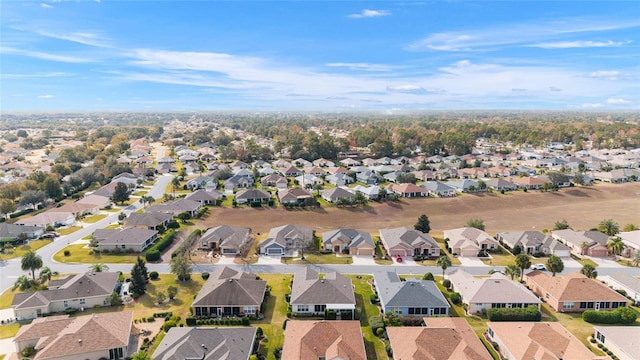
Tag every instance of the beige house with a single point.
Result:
(355, 242)
(91, 337)
(130, 239)
(623, 341)
(314, 340)
(441, 338)
(537, 341)
(74, 291)
(468, 241)
(403, 241)
(228, 292)
(574, 292)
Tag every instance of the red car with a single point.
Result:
(398, 258)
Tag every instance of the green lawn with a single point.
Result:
(94, 218)
(372, 344)
(275, 312)
(112, 226)
(140, 193)
(68, 230)
(80, 254)
(584, 262)
(6, 298)
(319, 259)
(21, 250)
(8, 331)
(503, 259)
(112, 210)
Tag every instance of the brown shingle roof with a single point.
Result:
(574, 287)
(310, 340)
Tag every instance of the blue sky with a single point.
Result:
(319, 55)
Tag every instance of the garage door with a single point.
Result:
(365, 252)
(397, 252)
(229, 251)
(274, 251)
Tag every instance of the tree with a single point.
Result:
(160, 297)
(423, 224)
(7, 207)
(427, 276)
(175, 185)
(615, 245)
(476, 223)
(512, 270)
(46, 274)
(33, 198)
(359, 198)
(180, 267)
(115, 299)
(172, 291)
(523, 261)
(609, 227)
(444, 262)
(24, 283)
(482, 186)
(120, 193)
(98, 268)
(140, 355)
(636, 258)
(578, 178)
(31, 262)
(589, 271)
(145, 200)
(630, 227)
(139, 277)
(561, 225)
(184, 216)
(584, 247)
(51, 187)
(554, 264)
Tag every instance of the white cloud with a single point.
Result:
(605, 74)
(617, 101)
(34, 75)
(367, 13)
(46, 6)
(81, 37)
(48, 96)
(362, 66)
(42, 55)
(406, 88)
(524, 34)
(578, 44)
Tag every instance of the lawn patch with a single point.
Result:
(68, 230)
(18, 251)
(94, 218)
(80, 253)
(275, 313)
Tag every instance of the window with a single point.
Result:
(605, 305)
(303, 308)
(65, 303)
(83, 301)
(396, 310)
(490, 332)
(319, 308)
(250, 310)
(115, 353)
(586, 305)
(123, 246)
(568, 305)
(600, 337)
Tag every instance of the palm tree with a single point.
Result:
(522, 262)
(615, 245)
(23, 283)
(31, 262)
(46, 274)
(175, 184)
(512, 270)
(630, 227)
(609, 227)
(584, 247)
(636, 258)
(589, 271)
(98, 268)
(141, 355)
(444, 262)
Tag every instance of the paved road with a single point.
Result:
(10, 269)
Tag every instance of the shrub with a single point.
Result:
(190, 321)
(623, 315)
(427, 276)
(28, 351)
(530, 313)
(379, 332)
(456, 298)
(205, 275)
(152, 255)
(244, 321)
(153, 275)
(446, 283)
(168, 325)
(373, 298)
(375, 322)
(259, 332)
(70, 311)
(67, 253)
(284, 324)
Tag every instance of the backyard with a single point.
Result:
(81, 253)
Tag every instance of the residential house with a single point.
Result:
(47, 219)
(499, 171)
(323, 163)
(239, 165)
(74, 291)
(620, 280)
(337, 195)
(368, 177)
(206, 197)
(129, 239)
(312, 295)
(263, 171)
(537, 341)
(274, 180)
(440, 338)
(573, 292)
(314, 340)
(282, 164)
(176, 207)
(439, 189)
(500, 185)
(349, 162)
(252, 195)
(77, 209)
(407, 190)
(292, 172)
(369, 192)
(472, 173)
(228, 292)
(411, 297)
(527, 182)
(616, 176)
(403, 241)
(308, 180)
(300, 162)
(468, 241)
(424, 175)
(226, 240)
(286, 238)
(622, 341)
(465, 186)
(166, 160)
(339, 179)
(350, 241)
(295, 196)
(202, 182)
(314, 170)
(592, 243)
(243, 172)
(496, 291)
(101, 202)
(92, 337)
(631, 240)
(14, 232)
(237, 182)
(151, 221)
(187, 159)
(534, 242)
(260, 164)
(230, 343)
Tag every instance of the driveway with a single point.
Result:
(7, 347)
(470, 261)
(605, 262)
(269, 260)
(363, 260)
(226, 260)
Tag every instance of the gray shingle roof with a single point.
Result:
(221, 343)
(227, 236)
(410, 293)
(229, 287)
(146, 219)
(404, 235)
(308, 288)
(355, 237)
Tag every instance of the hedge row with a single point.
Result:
(530, 313)
(153, 253)
(244, 321)
(623, 315)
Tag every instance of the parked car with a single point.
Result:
(398, 258)
(538, 267)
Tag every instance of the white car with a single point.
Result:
(538, 267)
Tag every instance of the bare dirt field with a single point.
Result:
(582, 207)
